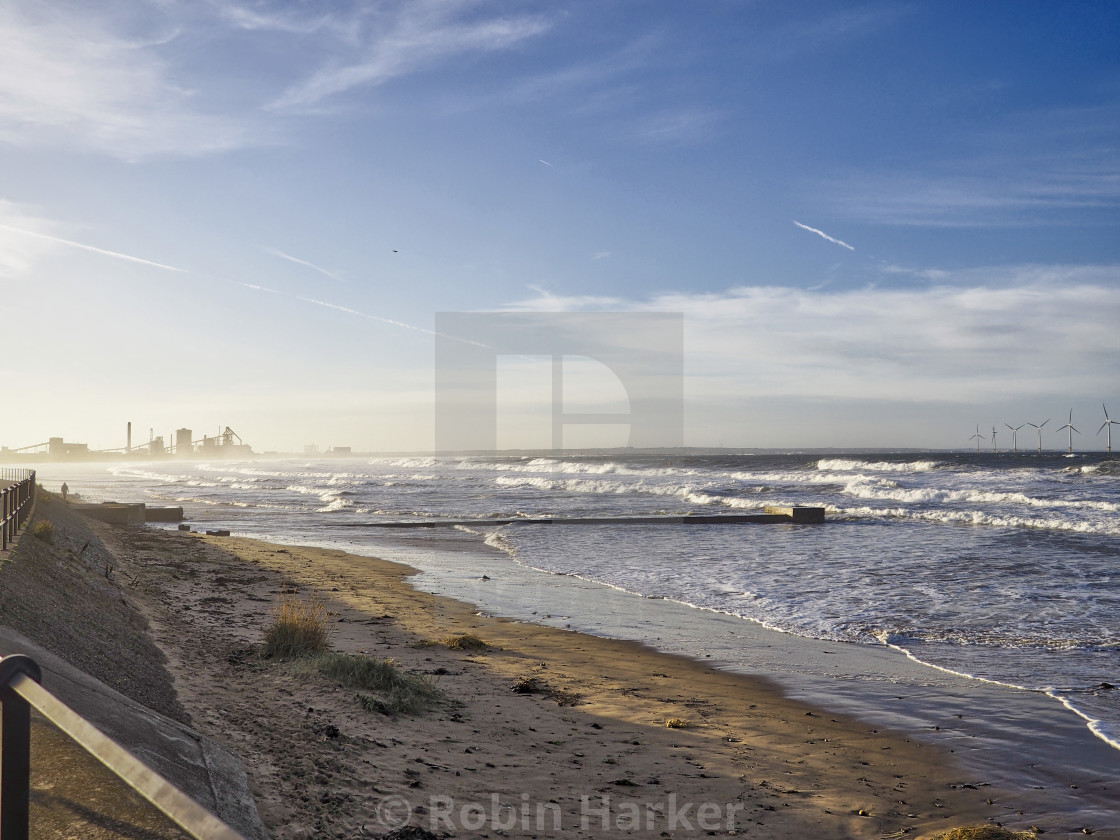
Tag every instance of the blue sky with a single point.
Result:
(884, 222)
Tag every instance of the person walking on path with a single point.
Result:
(65, 491)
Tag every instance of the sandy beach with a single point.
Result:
(587, 750)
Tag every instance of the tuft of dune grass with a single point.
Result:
(394, 691)
(299, 628)
(43, 530)
(984, 832)
(465, 641)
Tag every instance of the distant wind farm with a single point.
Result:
(1066, 427)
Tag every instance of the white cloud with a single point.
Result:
(1051, 165)
(264, 18)
(817, 34)
(77, 75)
(128, 78)
(935, 274)
(678, 126)
(1011, 331)
(994, 200)
(603, 73)
(419, 35)
(545, 301)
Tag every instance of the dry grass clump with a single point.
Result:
(984, 832)
(676, 723)
(299, 628)
(465, 641)
(526, 685)
(564, 697)
(395, 691)
(531, 685)
(43, 530)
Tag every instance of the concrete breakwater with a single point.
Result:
(118, 513)
(772, 516)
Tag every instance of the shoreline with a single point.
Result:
(1016, 738)
(1019, 738)
(796, 768)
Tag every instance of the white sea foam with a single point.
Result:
(847, 465)
(1107, 526)
(865, 488)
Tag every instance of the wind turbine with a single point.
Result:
(994, 439)
(1069, 426)
(1014, 435)
(1039, 427)
(1108, 424)
(977, 437)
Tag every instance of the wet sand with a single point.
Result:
(587, 752)
(1058, 775)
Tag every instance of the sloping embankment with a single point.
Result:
(63, 596)
(60, 604)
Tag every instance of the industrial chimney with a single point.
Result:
(129, 449)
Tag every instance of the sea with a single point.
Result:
(939, 580)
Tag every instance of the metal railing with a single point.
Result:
(20, 691)
(16, 502)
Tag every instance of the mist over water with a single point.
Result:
(999, 567)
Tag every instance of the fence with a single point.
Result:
(16, 502)
(19, 692)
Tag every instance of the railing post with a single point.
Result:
(15, 503)
(15, 749)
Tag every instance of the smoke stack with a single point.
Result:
(129, 436)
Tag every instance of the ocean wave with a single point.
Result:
(553, 466)
(980, 517)
(691, 494)
(865, 488)
(848, 465)
(1103, 468)
(418, 462)
(1027, 638)
(146, 475)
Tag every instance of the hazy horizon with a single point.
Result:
(884, 224)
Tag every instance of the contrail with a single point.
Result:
(823, 235)
(298, 261)
(545, 162)
(365, 315)
(101, 251)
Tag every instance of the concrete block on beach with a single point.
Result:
(799, 515)
(163, 514)
(132, 513)
(114, 513)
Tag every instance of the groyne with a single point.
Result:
(771, 516)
